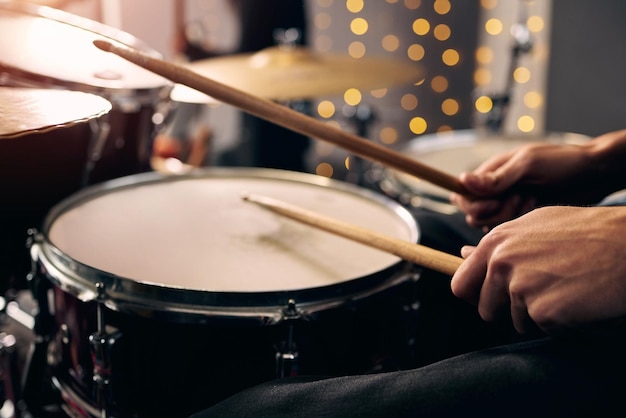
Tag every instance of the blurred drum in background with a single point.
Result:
(166, 294)
(453, 152)
(50, 48)
(185, 138)
(45, 138)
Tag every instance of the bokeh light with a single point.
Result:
(442, 32)
(483, 104)
(357, 49)
(354, 6)
(352, 97)
(494, 26)
(450, 107)
(421, 26)
(526, 123)
(450, 57)
(359, 26)
(326, 109)
(418, 125)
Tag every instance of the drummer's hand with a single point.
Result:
(490, 184)
(513, 183)
(555, 268)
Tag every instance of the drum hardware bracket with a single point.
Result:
(101, 345)
(43, 328)
(44, 320)
(8, 371)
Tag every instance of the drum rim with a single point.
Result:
(193, 305)
(87, 118)
(25, 78)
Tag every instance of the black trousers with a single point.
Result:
(583, 377)
(464, 366)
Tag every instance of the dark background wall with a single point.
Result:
(587, 72)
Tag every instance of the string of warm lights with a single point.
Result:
(439, 35)
(501, 23)
(466, 50)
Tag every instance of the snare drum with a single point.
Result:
(50, 48)
(200, 294)
(454, 152)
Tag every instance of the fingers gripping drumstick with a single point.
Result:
(285, 117)
(418, 254)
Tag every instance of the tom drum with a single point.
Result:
(454, 152)
(44, 141)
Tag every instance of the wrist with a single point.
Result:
(607, 158)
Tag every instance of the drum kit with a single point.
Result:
(157, 295)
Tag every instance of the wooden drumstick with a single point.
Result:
(418, 254)
(286, 117)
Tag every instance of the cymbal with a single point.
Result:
(185, 94)
(29, 110)
(282, 73)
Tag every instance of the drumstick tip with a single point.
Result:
(256, 198)
(103, 45)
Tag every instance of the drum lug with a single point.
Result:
(291, 311)
(101, 345)
(33, 236)
(287, 354)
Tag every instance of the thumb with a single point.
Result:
(467, 250)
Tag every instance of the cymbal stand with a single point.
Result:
(522, 44)
(286, 38)
(361, 116)
(99, 134)
(11, 388)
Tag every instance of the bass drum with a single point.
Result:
(454, 152)
(50, 48)
(174, 293)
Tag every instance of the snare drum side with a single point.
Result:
(214, 339)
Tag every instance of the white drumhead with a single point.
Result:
(197, 233)
(456, 152)
(63, 52)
